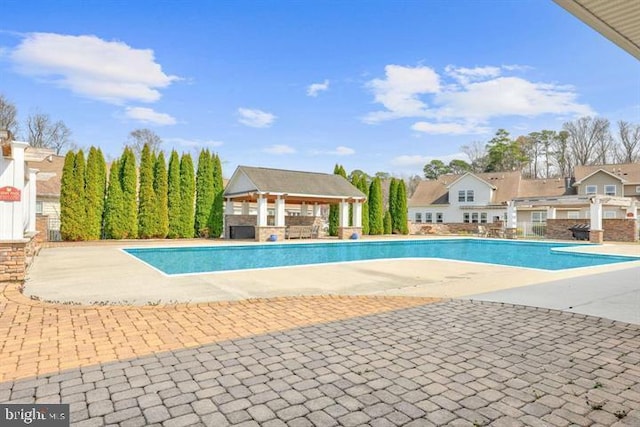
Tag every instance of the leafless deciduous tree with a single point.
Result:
(589, 138)
(629, 148)
(8, 115)
(44, 133)
(561, 154)
(477, 154)
(139, 137)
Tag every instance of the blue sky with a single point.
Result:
(373, 85)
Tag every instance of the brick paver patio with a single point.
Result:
(38, 338)
(449, 363)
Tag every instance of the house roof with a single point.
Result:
(544, 188)
(295, 185)
(49, 176)
(628, 173)
(435, 192)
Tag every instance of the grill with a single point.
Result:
(580, 231)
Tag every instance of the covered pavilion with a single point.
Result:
(262, 187)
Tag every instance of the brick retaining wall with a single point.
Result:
(16, 256)
(615, 230)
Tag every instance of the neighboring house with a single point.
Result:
(48, 180)
(483, 197)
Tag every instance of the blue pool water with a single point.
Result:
(201, 259)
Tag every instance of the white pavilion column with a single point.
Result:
(596, 232)
(31, 186)
(279, 220)
(632, 210)
(512, 220)
(357, 214)
(344, 214)
(14, 174)
(551, 213)
(304, 209)
(262, 211)
(316, 210)
(245, 208)
(228, 207)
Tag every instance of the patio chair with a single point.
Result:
(482, 231)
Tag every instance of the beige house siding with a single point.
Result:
(632, 190)
(600, 179)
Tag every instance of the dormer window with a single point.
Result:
(610, 190)
(466, 196)
(591, 189)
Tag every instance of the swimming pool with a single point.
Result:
(205, 259)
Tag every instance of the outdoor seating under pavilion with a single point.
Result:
(257, 189)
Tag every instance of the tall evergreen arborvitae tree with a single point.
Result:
(401, 219)
(364, 187)
(187, 195)
(217, 210)
(95, 188)
(174, 199)
(160, 188)
(147, 206)
(129, 183)
(72, 204)
(376, 211)
(115, 226)
(387, 222)
(393, 190)
(204, 194)
(334, 210)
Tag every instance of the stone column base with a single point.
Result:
(511, 233)
(596, 236)
(345, 233)
(263, 234)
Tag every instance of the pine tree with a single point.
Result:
(217, 209)
(147, 205)
(72, 203)
(376, 212)
(95, 188)
(393, 191)
(129, 183)
(334, 210)
(187, 194)
(174, 198)
(204, 194)
(387, 222)
(115, 226)
(160, 188)
(401, 208)
(364, 187)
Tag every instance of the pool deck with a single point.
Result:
(103, 273)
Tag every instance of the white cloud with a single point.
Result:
(279, 149)
(399, 91)
(88, 66)
(464, 100)
(148, 115)
(194, 143)
(339, 151)
(255, 118)
(314, 88)
(449, 128)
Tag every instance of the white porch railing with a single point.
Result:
(531, 230)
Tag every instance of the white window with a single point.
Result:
(428, 217)
(591, 189)
(483, 217)
(573, 214)
(465, 217)
(638, 189)
(39, 207)
(539, 217)
(474, 217)
(609, 214)
(610, 190)
(470, 196)
(418, 217)
(465, 196)
(461, 196)
(439, 217)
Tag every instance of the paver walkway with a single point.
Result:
(450, 363)
(38, 338)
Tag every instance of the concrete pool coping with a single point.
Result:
(101, 272)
